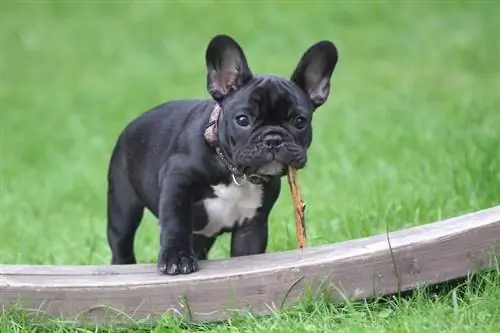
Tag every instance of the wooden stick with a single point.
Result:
(299, 208)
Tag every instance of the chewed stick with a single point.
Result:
(299, 208)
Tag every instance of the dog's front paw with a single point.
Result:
(173, 261)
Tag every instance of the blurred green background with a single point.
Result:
(408, 136)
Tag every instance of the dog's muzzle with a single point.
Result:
(273, 142)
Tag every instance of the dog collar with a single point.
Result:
(211, 137)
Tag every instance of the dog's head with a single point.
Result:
(265, 124)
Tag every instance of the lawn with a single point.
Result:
(409, 135)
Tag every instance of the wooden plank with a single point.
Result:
(357, 269)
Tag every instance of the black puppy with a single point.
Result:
(204, 167)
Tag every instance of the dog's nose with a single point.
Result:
(273, 140)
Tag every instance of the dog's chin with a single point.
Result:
(273, 168)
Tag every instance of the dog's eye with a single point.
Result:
(242, 120)
(300, 122)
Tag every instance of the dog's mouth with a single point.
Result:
(256, 159)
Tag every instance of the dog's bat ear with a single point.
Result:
(227, 67)
(314, 71)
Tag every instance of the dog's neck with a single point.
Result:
(211, 136)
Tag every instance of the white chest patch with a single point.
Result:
(231, 206)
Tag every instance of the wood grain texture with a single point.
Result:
(357, 269)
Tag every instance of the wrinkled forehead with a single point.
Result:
(275, 97)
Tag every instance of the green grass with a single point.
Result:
(410, 134)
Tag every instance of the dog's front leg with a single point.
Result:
(176, 253)
(252, 236)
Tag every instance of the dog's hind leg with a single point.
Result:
(202, 245)
(124, 214)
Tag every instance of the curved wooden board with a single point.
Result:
(357, 269)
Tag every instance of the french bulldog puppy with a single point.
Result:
(204, 167)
